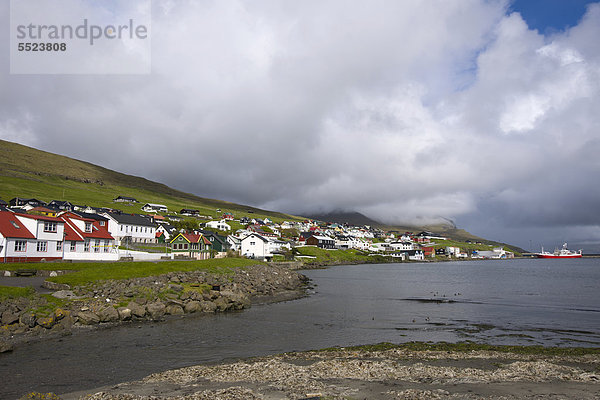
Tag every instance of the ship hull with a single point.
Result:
(555, 256)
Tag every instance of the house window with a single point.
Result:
(20, 245)
(96, 246)
(106, 247)
(121, 228)
(102, 223)
(88, 227)
(252, 243)
(49, 226)
(73, 246)
(86, 246)
(42, 246)
(59, 246)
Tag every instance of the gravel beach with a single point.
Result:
(393, 373)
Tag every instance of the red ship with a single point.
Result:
(560, 253)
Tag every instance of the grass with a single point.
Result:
(9, 292)
(27, 172)
(85, 273)
(339, 256)
(469, 346)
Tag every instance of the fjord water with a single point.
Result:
(523, 301)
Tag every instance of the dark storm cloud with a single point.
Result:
(402, 110)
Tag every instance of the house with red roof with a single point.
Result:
(192, 245)
(30, 238)
(88, 239)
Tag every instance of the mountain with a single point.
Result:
(447, 229)
(28, 172)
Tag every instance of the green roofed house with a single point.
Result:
(193, 245)
(219, 244)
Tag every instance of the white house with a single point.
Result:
(150, 207)
(218, 225)
(235, 243)
(25, 238)
(131, 227)
(402, 246)
(256, 246)
(88, 239)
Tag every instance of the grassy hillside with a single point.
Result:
(27, 172)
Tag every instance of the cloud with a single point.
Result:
(406, 111)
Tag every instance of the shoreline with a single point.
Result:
(384, 371)
(108, 304)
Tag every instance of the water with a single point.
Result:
(547, 302)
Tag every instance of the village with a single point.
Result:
(32, 230)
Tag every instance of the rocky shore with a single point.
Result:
(150, 298)
(392, 373)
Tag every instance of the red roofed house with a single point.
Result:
(193, 245)
(30, 238)
(88, 239)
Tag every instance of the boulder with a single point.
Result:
(192, 307)
(156, 310)
(5, 347)
(108, 314)
(87, 318)
(7, 273)
(222, 304)
(59, 314)
(55, 286)
(64, 294)
(9, 318)
(173, 309)
(208, 306)
(124, 313)
(136, 310)
(28, 319)
(46, 322)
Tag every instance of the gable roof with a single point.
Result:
(193, 238)
(131, 219)
(11, 227)
(72, 232)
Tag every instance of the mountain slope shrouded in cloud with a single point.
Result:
(402, 111)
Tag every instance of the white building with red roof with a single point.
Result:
(30, 238)
(88, 239)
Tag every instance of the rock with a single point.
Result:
(55, 286)
(156, 310)
(88, 318)
(192, 307)
(108, 314)
(53, 273)
(136, 310)
(46, 322)
(174, 309)
(7, 273)
(59, 314)
(208, 306)
(177, 288)
(28, 319)
(222, 304)
(5, 347)
(9, 318)
(124, 313)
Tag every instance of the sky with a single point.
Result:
(485, 112)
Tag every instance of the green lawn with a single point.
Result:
(9, 292)
(338, 256)
(85, 273)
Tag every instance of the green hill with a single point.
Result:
(27, 172)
